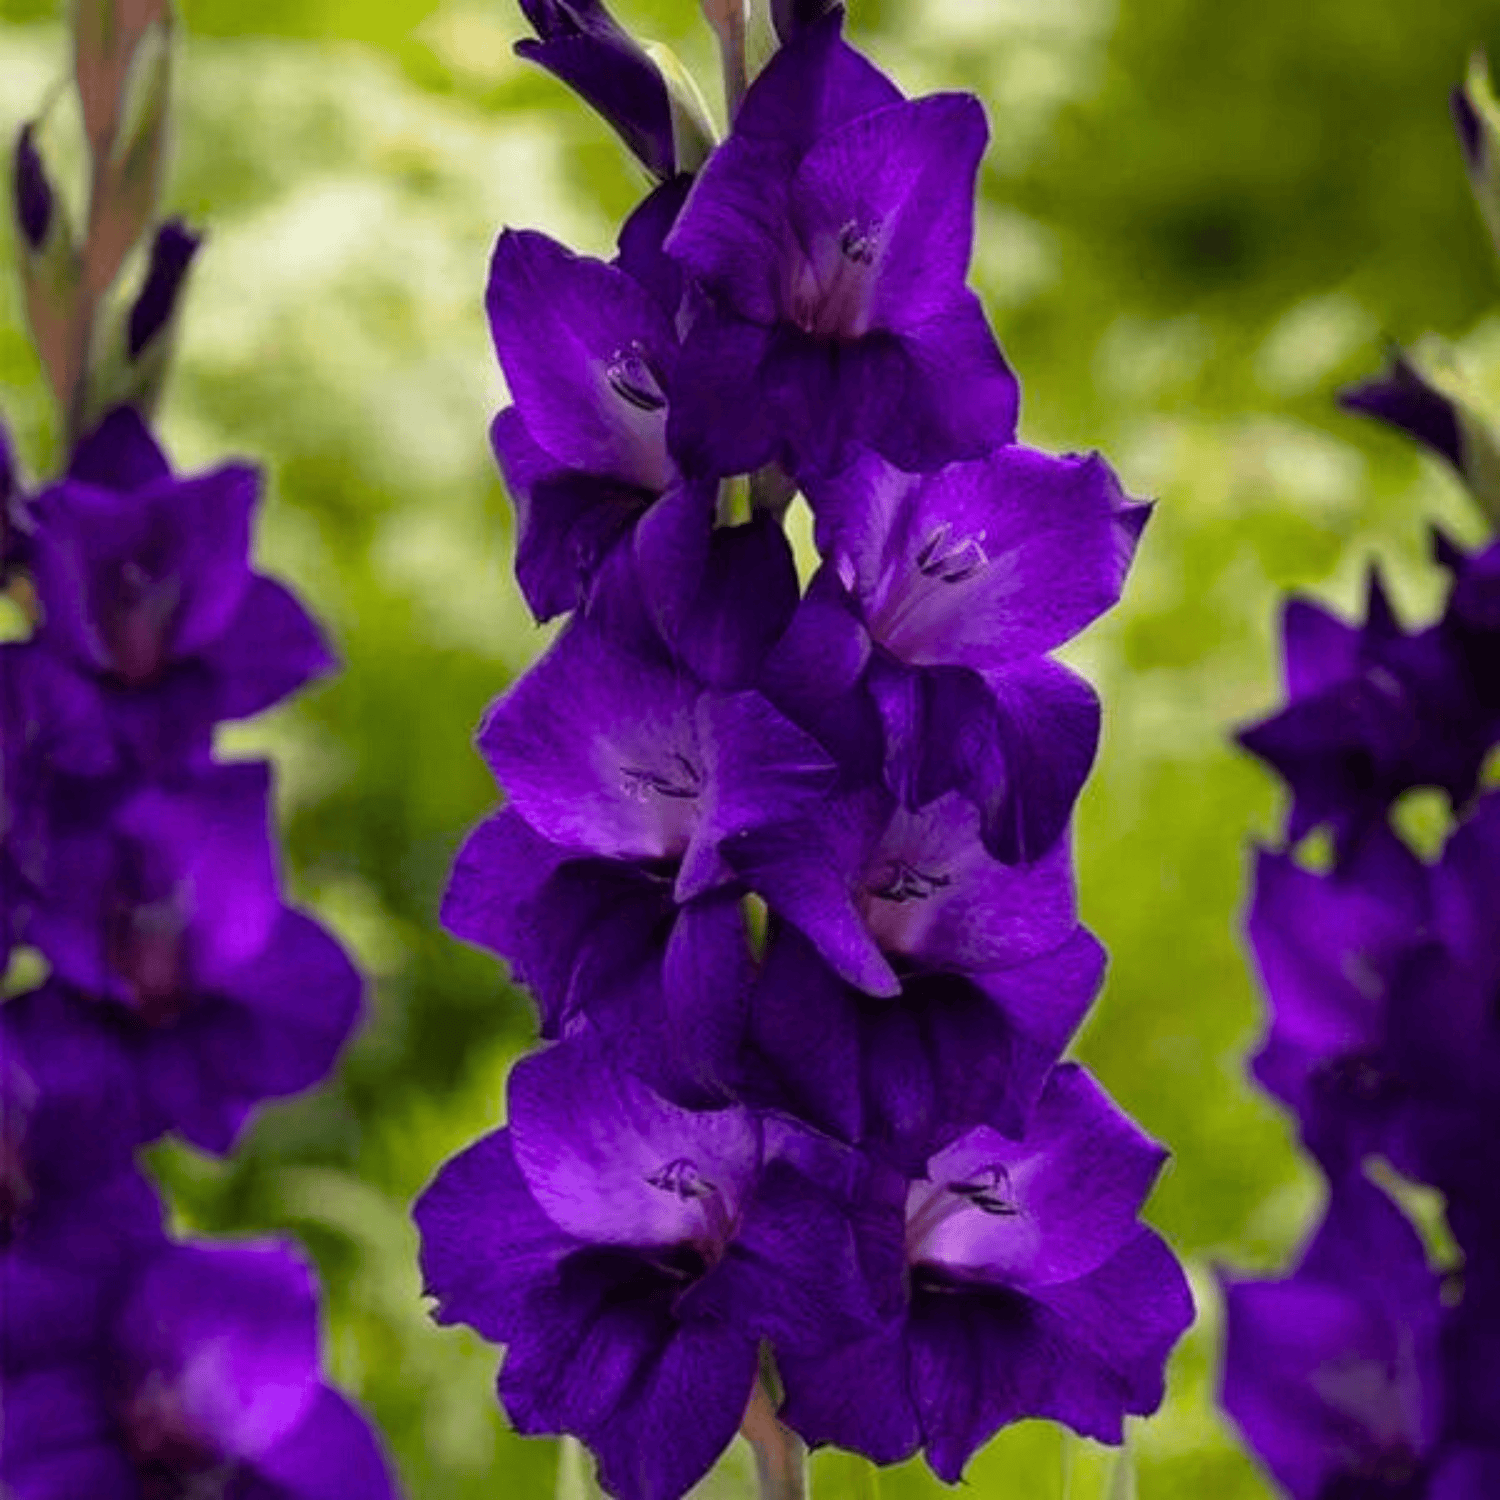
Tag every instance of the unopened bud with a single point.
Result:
(172, 254)
(693, 135)
(1476, 116)
(32, 192)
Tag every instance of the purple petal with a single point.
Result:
(58, 1441)
(333, 1451)
(604, 1357)
(641, 241)
(270, 649)
(1404, 400)
(233, 1330)
(486, 1245)
(119, 454)
(1087, 1354)
(501, 866)
(1318, 649)
(761, 768)
(599, 750)
(590, 1139)
(1333, 1371)
(722, 419)
(857, 1397)
(588, 355)
(792, 1274)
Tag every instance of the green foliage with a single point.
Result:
(1198, 221)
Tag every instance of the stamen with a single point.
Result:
(682, 783)
(633, 380)
(904, 882)
(951, 564)
(989, 1190)
(682, 1178)
(858, 244)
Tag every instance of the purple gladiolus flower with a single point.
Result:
(590, 356)
(1333, 1374)
(631, 1255)
(1372, 711)
(204, 1380)
(159, 908)
(964, 579)
(1334, 953)
(831, 233)
(1034, 1291)
(583, 46)
(146, 587)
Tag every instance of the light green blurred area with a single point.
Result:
(1198, 220)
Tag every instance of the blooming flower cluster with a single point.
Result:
(1364, 1374)
(158, 981)
(787, 868)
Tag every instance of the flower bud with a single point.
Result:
(1476, 116)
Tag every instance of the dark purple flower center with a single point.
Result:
(681, 1178)
(146, 926)
(173, 1459)
(633, 379)
(137, 618)
(831, 287)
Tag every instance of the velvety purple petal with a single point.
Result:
(611, 1162)
(641, 240)
(1087, 1356)
(1332, 1371)
(903, 177)
(808, 871)
(1046, 998)
(761, 768)
(279, 1024)
(746, 594)
(334, 1450)
(804, 1036)
(233, 1329)
(961, 398)
(1404, 400)
(603, 1356)
(933, 893)
(119, 454)
(270, 649)
(501, 866)
(706, 975)
(857, 1397)
(588, 356)
(566, 522)
(621, 84)
(792, 1273)
(486, 1244)
(599, 750)
(58, 1442)
(672, 546)
(1466, 1474)
(721, 419)
(1318, 648)
(1067, 1193)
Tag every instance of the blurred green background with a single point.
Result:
(1198, 220)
